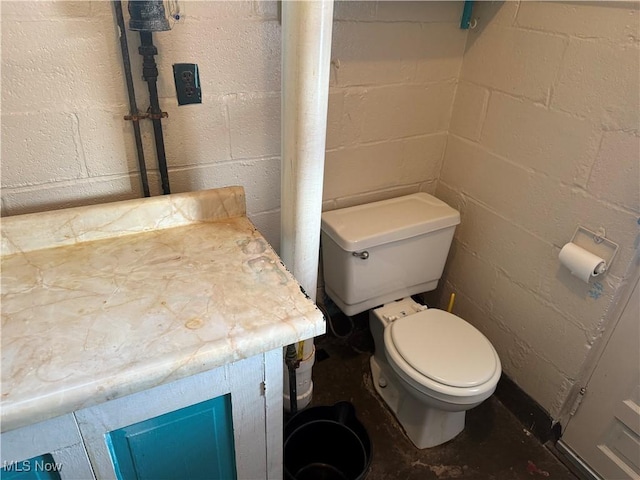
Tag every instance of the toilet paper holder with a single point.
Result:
(596, 243)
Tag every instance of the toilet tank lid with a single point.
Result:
(363, 226)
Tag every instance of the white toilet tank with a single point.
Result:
(383, 251)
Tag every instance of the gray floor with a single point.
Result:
(494, 444)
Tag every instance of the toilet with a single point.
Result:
(429, 366)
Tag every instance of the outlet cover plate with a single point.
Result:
(187, 80)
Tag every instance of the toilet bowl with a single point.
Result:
(429, 366)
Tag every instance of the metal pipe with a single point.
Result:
(150, 73)
(292, 362)
(133, 108)
(148, 16)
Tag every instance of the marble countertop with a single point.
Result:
(99, 302)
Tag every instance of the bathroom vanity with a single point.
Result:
(145, 337)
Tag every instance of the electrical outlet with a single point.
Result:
(187, 81)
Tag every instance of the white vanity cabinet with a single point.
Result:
(50, 449)
(256, 425)
(197, 444)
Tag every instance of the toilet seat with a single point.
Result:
(436, 351)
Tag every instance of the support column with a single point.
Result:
(306, 56)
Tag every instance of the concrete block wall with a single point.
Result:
(544, 137)
(64, 142)
(394, 71)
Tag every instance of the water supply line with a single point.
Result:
(306, 54)
(148, 16)
(330, 322)
(133, 108)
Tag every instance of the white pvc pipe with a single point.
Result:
(306, 56)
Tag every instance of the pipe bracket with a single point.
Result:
(151, 116)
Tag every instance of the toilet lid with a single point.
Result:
(444, 348)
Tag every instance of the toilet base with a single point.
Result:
(424, 425)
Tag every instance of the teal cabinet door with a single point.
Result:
(37, 468)
(195, 442)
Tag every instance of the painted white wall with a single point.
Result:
(394, 70)
(544, 137)
(64, 142)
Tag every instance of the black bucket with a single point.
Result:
(326, 443)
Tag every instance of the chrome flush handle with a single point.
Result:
(362, 255)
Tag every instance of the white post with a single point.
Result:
(306, 56)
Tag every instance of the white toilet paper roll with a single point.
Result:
(580, 262)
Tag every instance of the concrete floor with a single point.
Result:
(494, 444)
